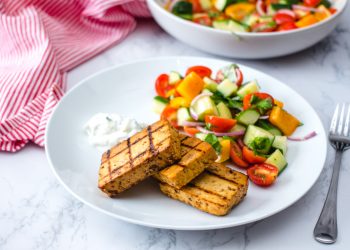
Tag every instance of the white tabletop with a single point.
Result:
(37, 213)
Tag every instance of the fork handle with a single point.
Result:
(326, 230)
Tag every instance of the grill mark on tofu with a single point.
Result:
(207, 191)
(149, 133)
(195, 147)
(131, 160)
(109, 165)
(136, 141)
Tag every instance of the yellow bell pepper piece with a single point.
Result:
(278, 103)
(191, 86)
(323, 14)
(179, 102)
(239, 11)
(225, 150)
(170, 93)
(283, 120)
(306, 21)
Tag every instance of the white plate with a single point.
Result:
(129, 89)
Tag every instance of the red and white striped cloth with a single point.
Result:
(40, 40)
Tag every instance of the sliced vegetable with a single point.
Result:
(251, 156)
(191, 131)
(179, 102)
(239, 11)
(174, 77)
(261, 101)
(224, 111)
(225, 150)
(230, 25)
(170, 114)
(213, 140)
(202, 107)
(227, 88)
(306, 21)
(219, 124)
(159, 104)
(237, 156)
(183, 115)
(278, 160)
(162, 85)
(222, 4)
(248, 88)
(280, 142)
(258, 139)
(286, 122)
(191, 86)
(304, 138)
(263, 174)
(201, 71)
(248, 117)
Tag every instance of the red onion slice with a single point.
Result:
(240, 142)
(260, 8)
(304, 8)
(307, 137)
(193, 114)
(287, 12)
(205, 131)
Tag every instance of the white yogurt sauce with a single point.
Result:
(106, 130)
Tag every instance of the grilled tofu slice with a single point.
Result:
(216, 191)
(196, 155)
(139, 157)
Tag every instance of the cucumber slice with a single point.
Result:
(210, 84)
(248, 88)
(201, 136)
(268, 127)
(224, 111)
(159, 104)
(204, 106)
(248, 117)
(277, 159)
(183, 115)
(230, 25)
(251, 19)
(280, 143)
(222, 4)
(227, 88)
(174, 77)
(258, 139)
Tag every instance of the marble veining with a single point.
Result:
(36, 212)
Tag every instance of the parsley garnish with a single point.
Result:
(214, 142)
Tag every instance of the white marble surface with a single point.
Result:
(37, 213)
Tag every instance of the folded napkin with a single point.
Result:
(40, 40)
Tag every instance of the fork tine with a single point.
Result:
(334, 120)
(347, 120)
(341, 119)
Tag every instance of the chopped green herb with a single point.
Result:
(214, 142)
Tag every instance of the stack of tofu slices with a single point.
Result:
(184, 166)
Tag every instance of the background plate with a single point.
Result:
(128, 89)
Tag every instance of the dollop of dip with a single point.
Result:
(106, 130)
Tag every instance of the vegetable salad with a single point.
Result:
(252, 15)
(243, 124)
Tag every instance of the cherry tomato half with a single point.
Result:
(170, 114)
(311, 3)
(263, 174)
(191, 130)
(219, 124)
(251, 157)
(202, 19)
(281, 18)
(162, 85)
(247, 99)
(287, 26)
(236, 155)
(202, 71)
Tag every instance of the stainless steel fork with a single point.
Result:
(326, 230)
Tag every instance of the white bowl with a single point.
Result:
(241, 44)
